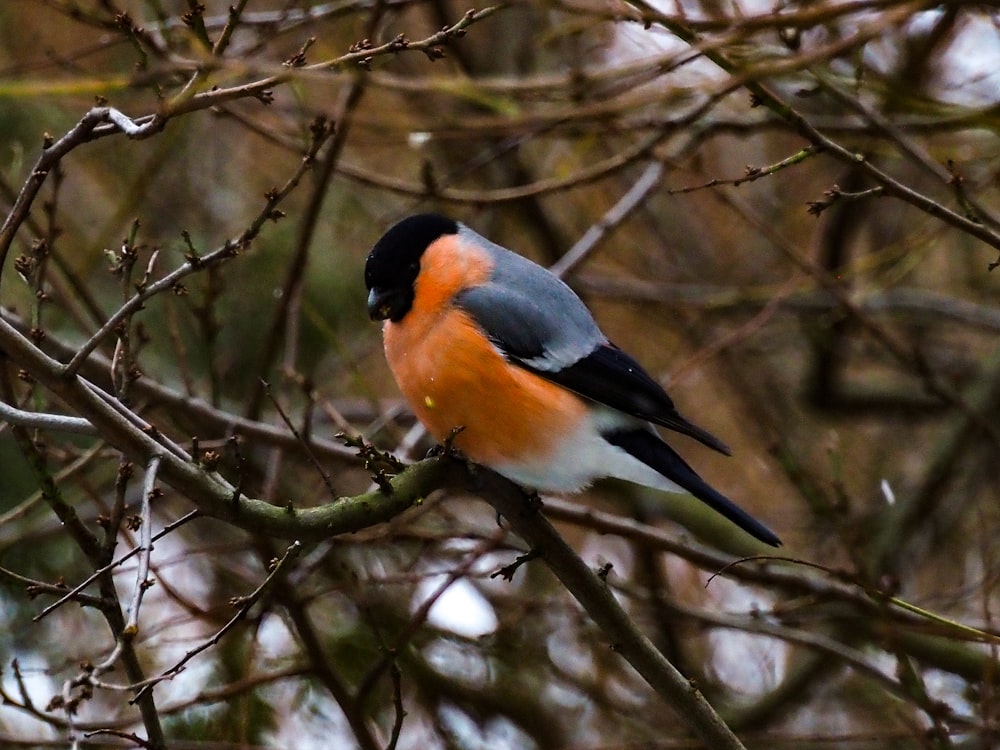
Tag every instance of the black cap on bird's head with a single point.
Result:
(394, 262)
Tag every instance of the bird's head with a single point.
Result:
(394, 263)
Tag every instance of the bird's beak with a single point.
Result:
(386, 304)
(377, 310)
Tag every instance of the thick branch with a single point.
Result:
(600, 603)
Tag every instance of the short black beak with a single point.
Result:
(391, 304)
(377, 310)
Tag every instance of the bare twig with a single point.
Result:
(74, 593)
(648, 181)
(142, 582)
(40, 421)
(292, 287)
(975, 210)
(751, 174)
(303, 443)
(230, 249)
(245, 603)
(54, 151)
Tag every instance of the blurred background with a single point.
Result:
(786, 211)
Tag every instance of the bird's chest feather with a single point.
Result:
(452, 376)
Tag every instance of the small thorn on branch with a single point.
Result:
(835, 194)
(507, 571)
(381, 479)
(449, 442)
(374, 458)
(604, 571)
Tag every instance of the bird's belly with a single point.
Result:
(512, 420)
(586, 456)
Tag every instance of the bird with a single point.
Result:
(498, 355)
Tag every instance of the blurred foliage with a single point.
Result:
(790, 217)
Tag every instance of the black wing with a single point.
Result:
(611, 377)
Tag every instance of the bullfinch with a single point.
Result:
(480, 338)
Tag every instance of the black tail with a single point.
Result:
(648, 448)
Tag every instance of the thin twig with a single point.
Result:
(74, 593)
(53, 152)
(229, 249)
(908, 146)
(751, 174)
(648, 181)
(323, 473)
(142, 581)
(388, 660)
(41, 421)
(245, 603)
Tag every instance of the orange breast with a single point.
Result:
(452, 375)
